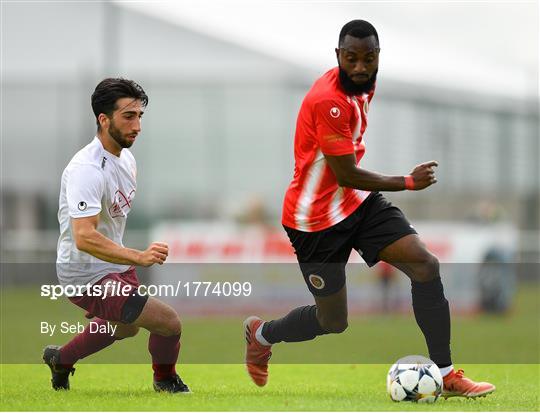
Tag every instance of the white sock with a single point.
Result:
(259, 336)
(446, 370)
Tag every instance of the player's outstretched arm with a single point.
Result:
(349, 175)
(90, 240)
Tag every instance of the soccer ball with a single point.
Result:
(414, 378)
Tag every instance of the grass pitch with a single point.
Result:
(120, 387)
(345, 372)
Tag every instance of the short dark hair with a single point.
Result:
(109, 90)
(358, 29)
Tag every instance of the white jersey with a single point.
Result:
(95, 182)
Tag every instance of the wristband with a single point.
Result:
(409, 182)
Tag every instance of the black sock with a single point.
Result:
(300, 324)
(433, 317)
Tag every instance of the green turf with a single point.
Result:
(352, 376)
(227, 388)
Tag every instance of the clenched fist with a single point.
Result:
(156, 253)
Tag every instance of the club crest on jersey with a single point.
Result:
(82, 206)
(335, 112)
(316, 281)
(122, 204)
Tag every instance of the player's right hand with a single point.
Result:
(156, 253)
(424, 175)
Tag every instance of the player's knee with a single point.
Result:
(176, 326)
(428, 269)
(173, 326)
(126, 331)
(334, 326)
(132, 331)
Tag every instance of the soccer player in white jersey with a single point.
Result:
(97, 192)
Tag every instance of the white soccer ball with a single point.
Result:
(414, 378)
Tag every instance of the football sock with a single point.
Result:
(85, 343)
(446, 370)
(260, 338)
(300, 324)
(164, 351)
(433, 317)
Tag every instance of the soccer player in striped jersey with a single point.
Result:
(333, 206)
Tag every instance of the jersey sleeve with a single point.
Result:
(332, 123)
(84, 190)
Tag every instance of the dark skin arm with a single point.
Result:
(349, 175)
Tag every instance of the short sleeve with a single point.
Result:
(84, 189)
(332, 122)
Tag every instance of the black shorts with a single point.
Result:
(322, 255)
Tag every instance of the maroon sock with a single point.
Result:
(85, 343)
(164, 351)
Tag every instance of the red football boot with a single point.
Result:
(457, 385)
(257, 355)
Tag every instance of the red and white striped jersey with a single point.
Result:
(329, 123)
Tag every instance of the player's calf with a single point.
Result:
(60, 374)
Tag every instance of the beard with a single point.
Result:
(118, 137)
(352, 88)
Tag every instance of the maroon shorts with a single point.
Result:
(124, 307)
